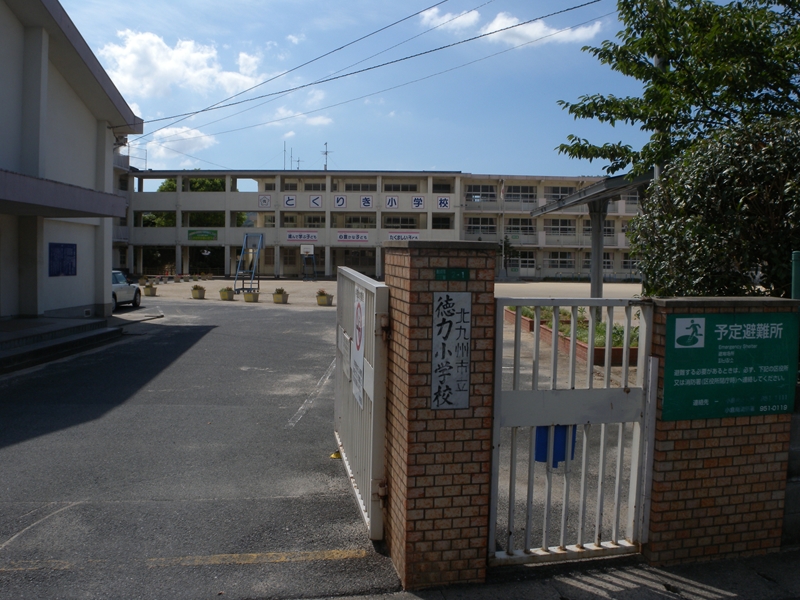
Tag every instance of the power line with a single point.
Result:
(185, 116)
(272, 99)
(372, 68)
(400, 85)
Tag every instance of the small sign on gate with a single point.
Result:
(357, 356)
(452, 334)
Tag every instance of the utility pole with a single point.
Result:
(284, 155)
(298, 163)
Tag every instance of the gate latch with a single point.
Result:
(386, 329)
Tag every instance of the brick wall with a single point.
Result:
(438, 462)
(718, 484)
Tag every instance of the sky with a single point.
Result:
(487, 106)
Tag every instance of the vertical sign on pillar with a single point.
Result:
(357, 355)
(452, 331)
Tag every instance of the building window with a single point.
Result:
(560, 260)
(289, 187)
(608, 228)
(401, 222)
(154, 219)
(524, 226)
(527, 259)
(359, 221)
(628, 263)
(269, 187)
(555, 192)
(290, 257)
(360, 187)
(481, 193)
(559, 227)
(399, 187)
(288, 220)
(252, 219)
(314, 221)
(524, 193)
(123, 183)
(359, 258)
(442, 188)
(442, 222)
(608, 261)
(123, 256)
(315, 187)
(481, 225)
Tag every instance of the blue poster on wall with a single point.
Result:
(63, 260)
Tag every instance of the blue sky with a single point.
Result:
(480, 107)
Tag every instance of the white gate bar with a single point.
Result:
(609, 328)
(529, 511)
(512, 489)
(548, 486)
(554, 350)
(537, 321)
(618, 483)
(567, 461)
(601, 476)
(573, 339)
(626, 345)
(584, 472)
(590, 349)
(517, 342)
(526, 408)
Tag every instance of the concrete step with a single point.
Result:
(26, 332)
(53, 348)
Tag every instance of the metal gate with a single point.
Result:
(572, 438)
(360, 404)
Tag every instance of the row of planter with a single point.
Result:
(581, 348)
(280, 296)
(177, 279)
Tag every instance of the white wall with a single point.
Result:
(71, 138)
(11, 54)
(9, 266)
(60, 292)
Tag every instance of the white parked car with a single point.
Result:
(123, 292)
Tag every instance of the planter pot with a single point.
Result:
(195, 278)
(325, 300)
(223, 295)
(251, 296)
(198, 294)
(280, 298)
(142, 281)
(582, 349)
(149, 291)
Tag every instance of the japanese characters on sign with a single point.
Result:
(366, 201)
(392, 202)
(730, 365)
(352, 236)
(265, 201)
(290, 201)
(295, 235)
(403, 236)
(357, 354)
(452, 332)
(418, 202)
(315, 201)
(340, 201)
(63, 260)
(443, 202)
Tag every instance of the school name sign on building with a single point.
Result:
(729, 365)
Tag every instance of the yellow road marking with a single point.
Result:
(255, 558)
(195, 561)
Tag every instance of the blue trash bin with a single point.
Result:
(559, 439)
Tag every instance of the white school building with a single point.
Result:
(348, 215)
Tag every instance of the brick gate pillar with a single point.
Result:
(720, 459)
(439, 410)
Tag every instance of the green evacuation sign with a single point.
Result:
(729, 365)
(202, 235)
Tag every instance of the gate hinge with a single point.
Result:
(383, 489)
(386, 327)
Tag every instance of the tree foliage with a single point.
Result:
(725, 217)
(721, 64)
(195, 185)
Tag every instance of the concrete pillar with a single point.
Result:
(129, 259)
(102, 267)
(278, 262)
(439, 468)
(34, 101)
(227, 260)
(32, 264)
(378, 262)
(597, 214)
(328, 262)
(179, 260)
(721, 449)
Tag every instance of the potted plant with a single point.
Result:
(149, 289)
(142, 280)
(226, 293)
(280, 296)
(198, 292)
(324, 298)
(251, 296)
(195, 277)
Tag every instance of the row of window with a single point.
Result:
(553, 227)
(291, 186)
(566, 260)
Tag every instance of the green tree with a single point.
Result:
(195, 185)
(720, 64)
(726, 212)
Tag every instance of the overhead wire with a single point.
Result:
(400, 85)
(272, 99)
(372, 68)
(185, 116)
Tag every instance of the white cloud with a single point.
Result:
(449, 21)
(144, 65)
(319, 120)
(315, 98)
(536, 31)
(289, 134)
(137, 110)
(296, 39)
(184, 140)
(283, 114)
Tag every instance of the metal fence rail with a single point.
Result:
(360, 427)
(586, 425)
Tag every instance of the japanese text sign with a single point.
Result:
(729, 365)
(452, 332)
